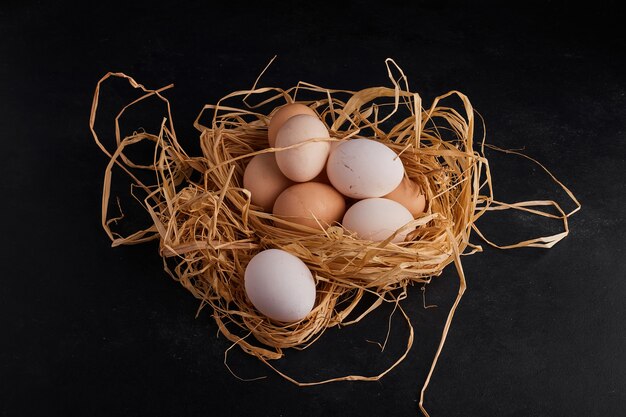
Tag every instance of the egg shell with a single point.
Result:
(376, 219)
(364, 168)
(264, 180)
(410, 195)
(305, 202)
(280, 285)
(280, 116)
(304, 162)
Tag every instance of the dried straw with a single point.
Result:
(208, 230)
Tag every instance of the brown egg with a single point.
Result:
(284, 113)
(305, 202)
(410, 195)
(264, 180)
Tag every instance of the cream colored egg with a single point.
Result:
(264, 180)
(280, 285)
(280, 116)
(364, 168)
(305, 162)
(376, 219)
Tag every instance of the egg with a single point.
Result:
(305, 202)
(281, 115)
(264, 180)
(376, 219)
(304, 162)
(410, 195)
(279, 285)
(364, 168)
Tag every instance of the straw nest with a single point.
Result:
(208, 230)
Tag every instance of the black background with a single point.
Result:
(90, 330)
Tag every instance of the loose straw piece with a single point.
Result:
(208, 229)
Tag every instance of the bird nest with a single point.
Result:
(208, 230)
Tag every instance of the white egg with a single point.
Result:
(376, 219)
(305, 162)
(280, 285)
(364, 168)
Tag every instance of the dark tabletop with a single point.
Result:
(91, 330)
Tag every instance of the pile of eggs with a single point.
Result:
(313, 182)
